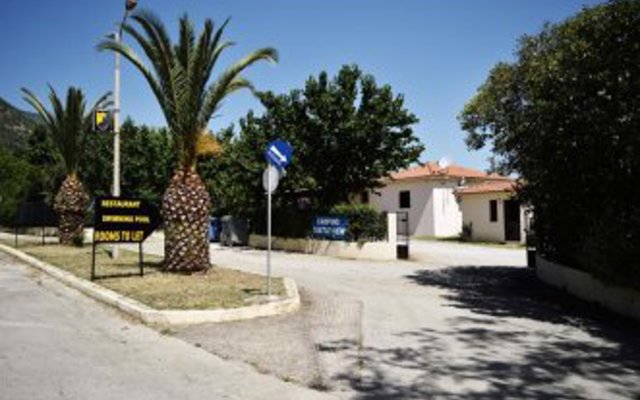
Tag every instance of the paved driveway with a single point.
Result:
(57, 344)
(462, 322)
(440, 253)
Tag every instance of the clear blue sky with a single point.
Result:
(435, 52)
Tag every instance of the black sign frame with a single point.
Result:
(123, 220)
(93, 265)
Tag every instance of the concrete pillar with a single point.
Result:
(392, 228)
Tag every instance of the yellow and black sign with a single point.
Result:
(102, 121)
(121, 220)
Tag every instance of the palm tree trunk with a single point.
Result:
(186, 209)
(70, 204)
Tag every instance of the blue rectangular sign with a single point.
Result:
(333, 228)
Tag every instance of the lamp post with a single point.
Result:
(128, 7)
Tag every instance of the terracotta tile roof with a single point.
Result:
(489, 187)
(433, 170)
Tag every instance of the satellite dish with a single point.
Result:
(443, 163)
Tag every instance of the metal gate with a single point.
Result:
(32, 215)
(402, 227)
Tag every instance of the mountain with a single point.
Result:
(15, 125)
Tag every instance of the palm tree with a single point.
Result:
(179, 78)
(68, 125)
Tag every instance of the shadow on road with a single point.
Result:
(522, 340)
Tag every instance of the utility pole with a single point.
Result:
(116, 123)
(129, 5)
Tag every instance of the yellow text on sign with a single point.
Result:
(127, 219)
(118, 236)
(120, 203)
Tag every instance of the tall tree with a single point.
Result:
(348, 132)
(565, 116)
(179, 78)
(68, 125)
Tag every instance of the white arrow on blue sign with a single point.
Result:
(278, 154)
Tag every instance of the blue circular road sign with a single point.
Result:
(278, 153)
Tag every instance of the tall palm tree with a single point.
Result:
(68, 125)
(179, 78)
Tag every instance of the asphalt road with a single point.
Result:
(458, 322)
(57, 344)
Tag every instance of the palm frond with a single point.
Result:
(215, 48)
(67, 122)
(179, 73)
(183, 50)
(37, 105)
(166, 102)
(219, 89)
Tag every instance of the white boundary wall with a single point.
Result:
(618, 299)
(383, 251)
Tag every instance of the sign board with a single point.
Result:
(333, 228)
(270, 179)
(102, 121)
(278, 153)
(122, 220)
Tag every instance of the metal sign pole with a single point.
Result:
(93, 260)
(278, 155)
(269, 234)
(141, 260)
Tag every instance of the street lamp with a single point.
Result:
(129, 5)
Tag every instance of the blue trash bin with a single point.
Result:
(214, 229)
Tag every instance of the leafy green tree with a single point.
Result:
(97, 169)
(14, 181)
(147, 160)
(148, 163)
(178, 79)
(565, 116)
(347, 132)
(47, 172)
(68, 125)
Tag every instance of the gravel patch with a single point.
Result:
(310, 347)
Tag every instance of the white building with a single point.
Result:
(427, 194)
(491, 213)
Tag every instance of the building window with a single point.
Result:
(364, 197)
(405, 199)
(493, 210)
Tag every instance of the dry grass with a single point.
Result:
(216, 288)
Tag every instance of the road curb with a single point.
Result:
(148, 315)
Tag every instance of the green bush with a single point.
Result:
(365, 223)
